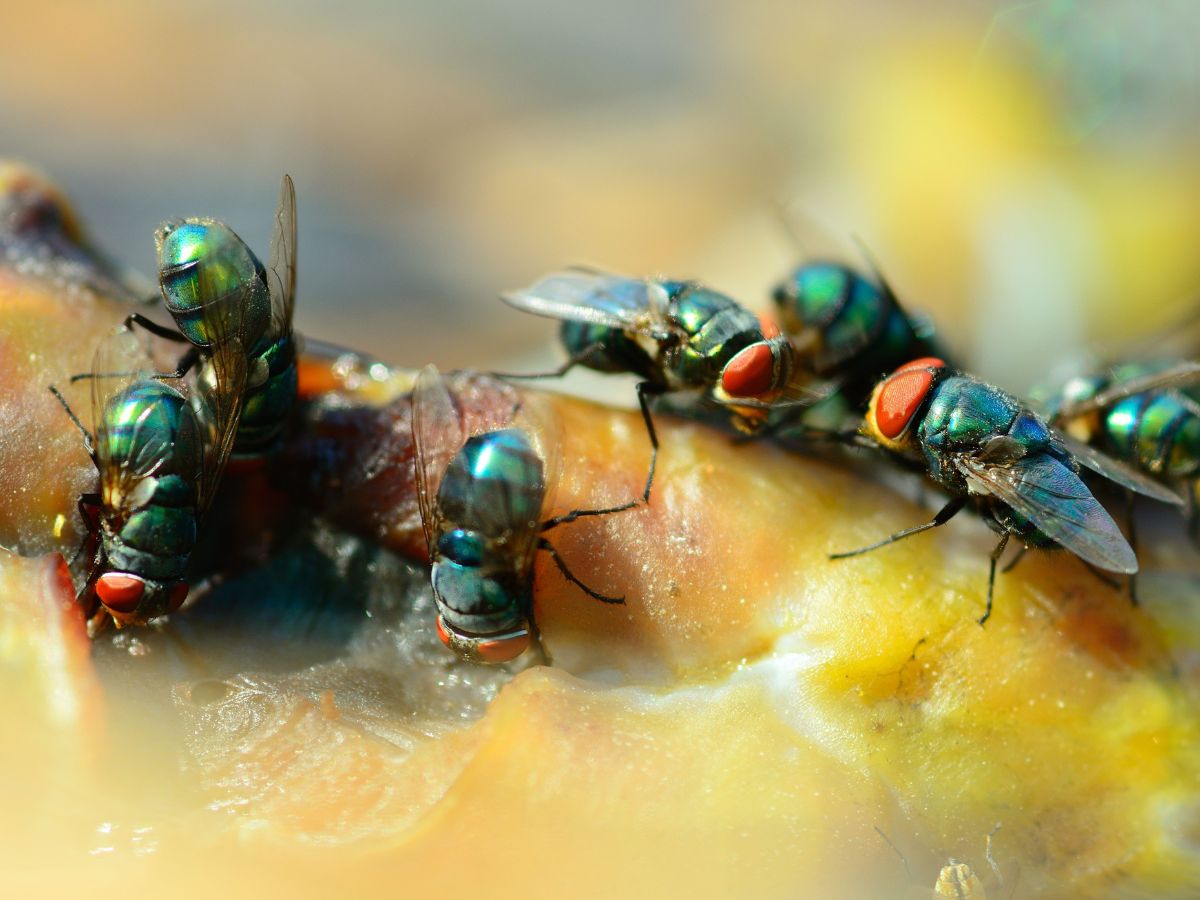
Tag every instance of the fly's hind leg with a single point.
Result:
(945, 514)
(544, 544)
(996, 554)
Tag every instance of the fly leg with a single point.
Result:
(162, 331)
(88, 506)
(1111, 582)
(996, 554)
(544, 544)
(87, 436)
(945, 514)
(643, 390)
(1012, 563)
(535, 635)
(576, 359)
(186, 362)
(646, 390)
(581, 513)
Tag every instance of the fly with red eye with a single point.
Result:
(983, 446)
(160, 453)
(897, 398)
(675, 336)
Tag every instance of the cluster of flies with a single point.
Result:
(162, 440)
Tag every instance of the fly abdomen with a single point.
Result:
(147, 563)
(267, 405)
(847, 312)
(208, 274)
(1157, 431)
(162, 530)
(156, 539)
(605, 349)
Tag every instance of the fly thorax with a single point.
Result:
(1031, 432)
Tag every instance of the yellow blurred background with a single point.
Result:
(1025, 171)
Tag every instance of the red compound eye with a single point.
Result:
(898, 400)
(120, 591)
(499, 650)
(751, 372)
(925, 362)
(441, 630)
(177, 595)
(504, 649)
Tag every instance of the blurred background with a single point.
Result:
(1024, 171)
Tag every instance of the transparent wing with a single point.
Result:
(281, 273)
(119, 363)
(220, 385)
(538, 420)
(1045, 490)
(613, 301)
(437, 436)
(1182, 375)
(792, 396)
(1116, 471)
(218, 405)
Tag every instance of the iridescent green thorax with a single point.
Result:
(963, 414)
(491, 499)
(152, 422)
(716, 328)
(212, 283)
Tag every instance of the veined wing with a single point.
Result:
(1045, 490)
(792, 396)
(220, 385)
(1118, 472)
(129, 448)
(437, 436)
(540, 422)
(281, 273)
(613, 301)
(1181, 375)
